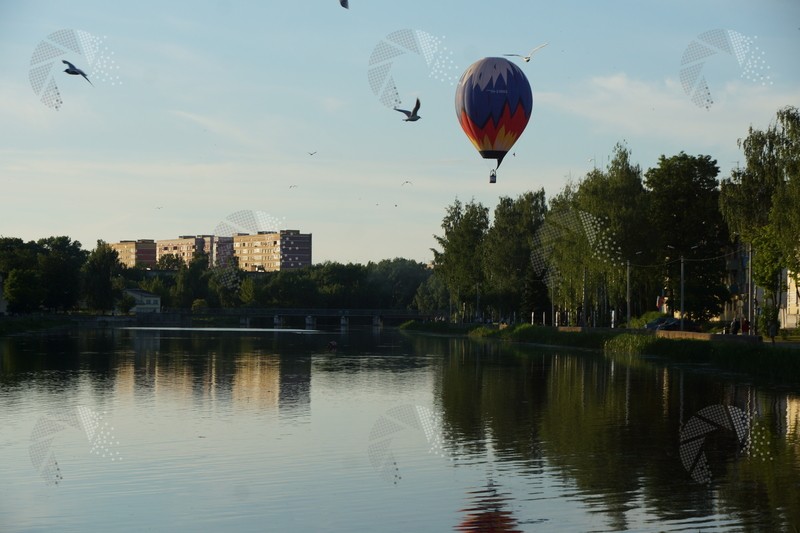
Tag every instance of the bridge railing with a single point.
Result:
(317, 312)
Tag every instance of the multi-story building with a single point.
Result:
(141, 252)
(219, 249)
(184, 247)
(268, 251)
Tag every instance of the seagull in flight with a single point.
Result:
(311, 153)
(75, 71)
(411, 116)
(528, 57)
(406, 182)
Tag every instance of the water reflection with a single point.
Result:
(599, 436)
(488, 510)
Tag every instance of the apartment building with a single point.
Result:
(268, 251)
(218, 248)
(184, 247)
(141, 252)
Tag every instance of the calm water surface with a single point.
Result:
(258, 430)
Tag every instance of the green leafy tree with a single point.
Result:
(191, 282)
(126, 303)
(511, 283)
(170, 262)
(17, 254)
(431, 297)
(161, 286)
(23, 290)
(248, 292)
(684, 205)
(393, 283)
(568, 252)
(759, 202)
(99, 272)
(618, 202)
(59, 263)
(458, 261)
(224, 284)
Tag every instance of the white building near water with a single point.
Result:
(146, 302)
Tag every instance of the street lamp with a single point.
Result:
(682, 261)
(681, 292)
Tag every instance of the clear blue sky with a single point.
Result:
(218, 104)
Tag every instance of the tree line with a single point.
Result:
(577, 253)
(55, 274)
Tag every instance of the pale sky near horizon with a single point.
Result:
(204, 109)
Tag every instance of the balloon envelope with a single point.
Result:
(493, 103)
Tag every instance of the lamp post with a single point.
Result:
(681, 292)
(750, 317)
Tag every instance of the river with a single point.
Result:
(261, 430)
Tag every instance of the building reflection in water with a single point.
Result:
(229, 369)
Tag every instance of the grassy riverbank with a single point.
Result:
(763, 360)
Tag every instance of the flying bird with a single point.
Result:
(411, 116)
(528, 57)
(75, 71)
(406, 182)
(292, 186)
(345, 4)
(311, 153)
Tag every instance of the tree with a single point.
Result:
(393, 283)
(768, 272)
(191, 282)
(459, 262)
(170, 262)
(684, 205)
(248, 291)
(126, 303)
(772, 160)
(23, 290)
(99, 272)
(431, 296)
(760, 201)
(60, 261)
(17, 254)
(507, 248)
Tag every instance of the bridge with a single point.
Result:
(286, 317)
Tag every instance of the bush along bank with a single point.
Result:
(762, 360)
(758, 360)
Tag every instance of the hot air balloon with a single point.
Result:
(493, 104)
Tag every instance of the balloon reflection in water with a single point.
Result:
(488, 512)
